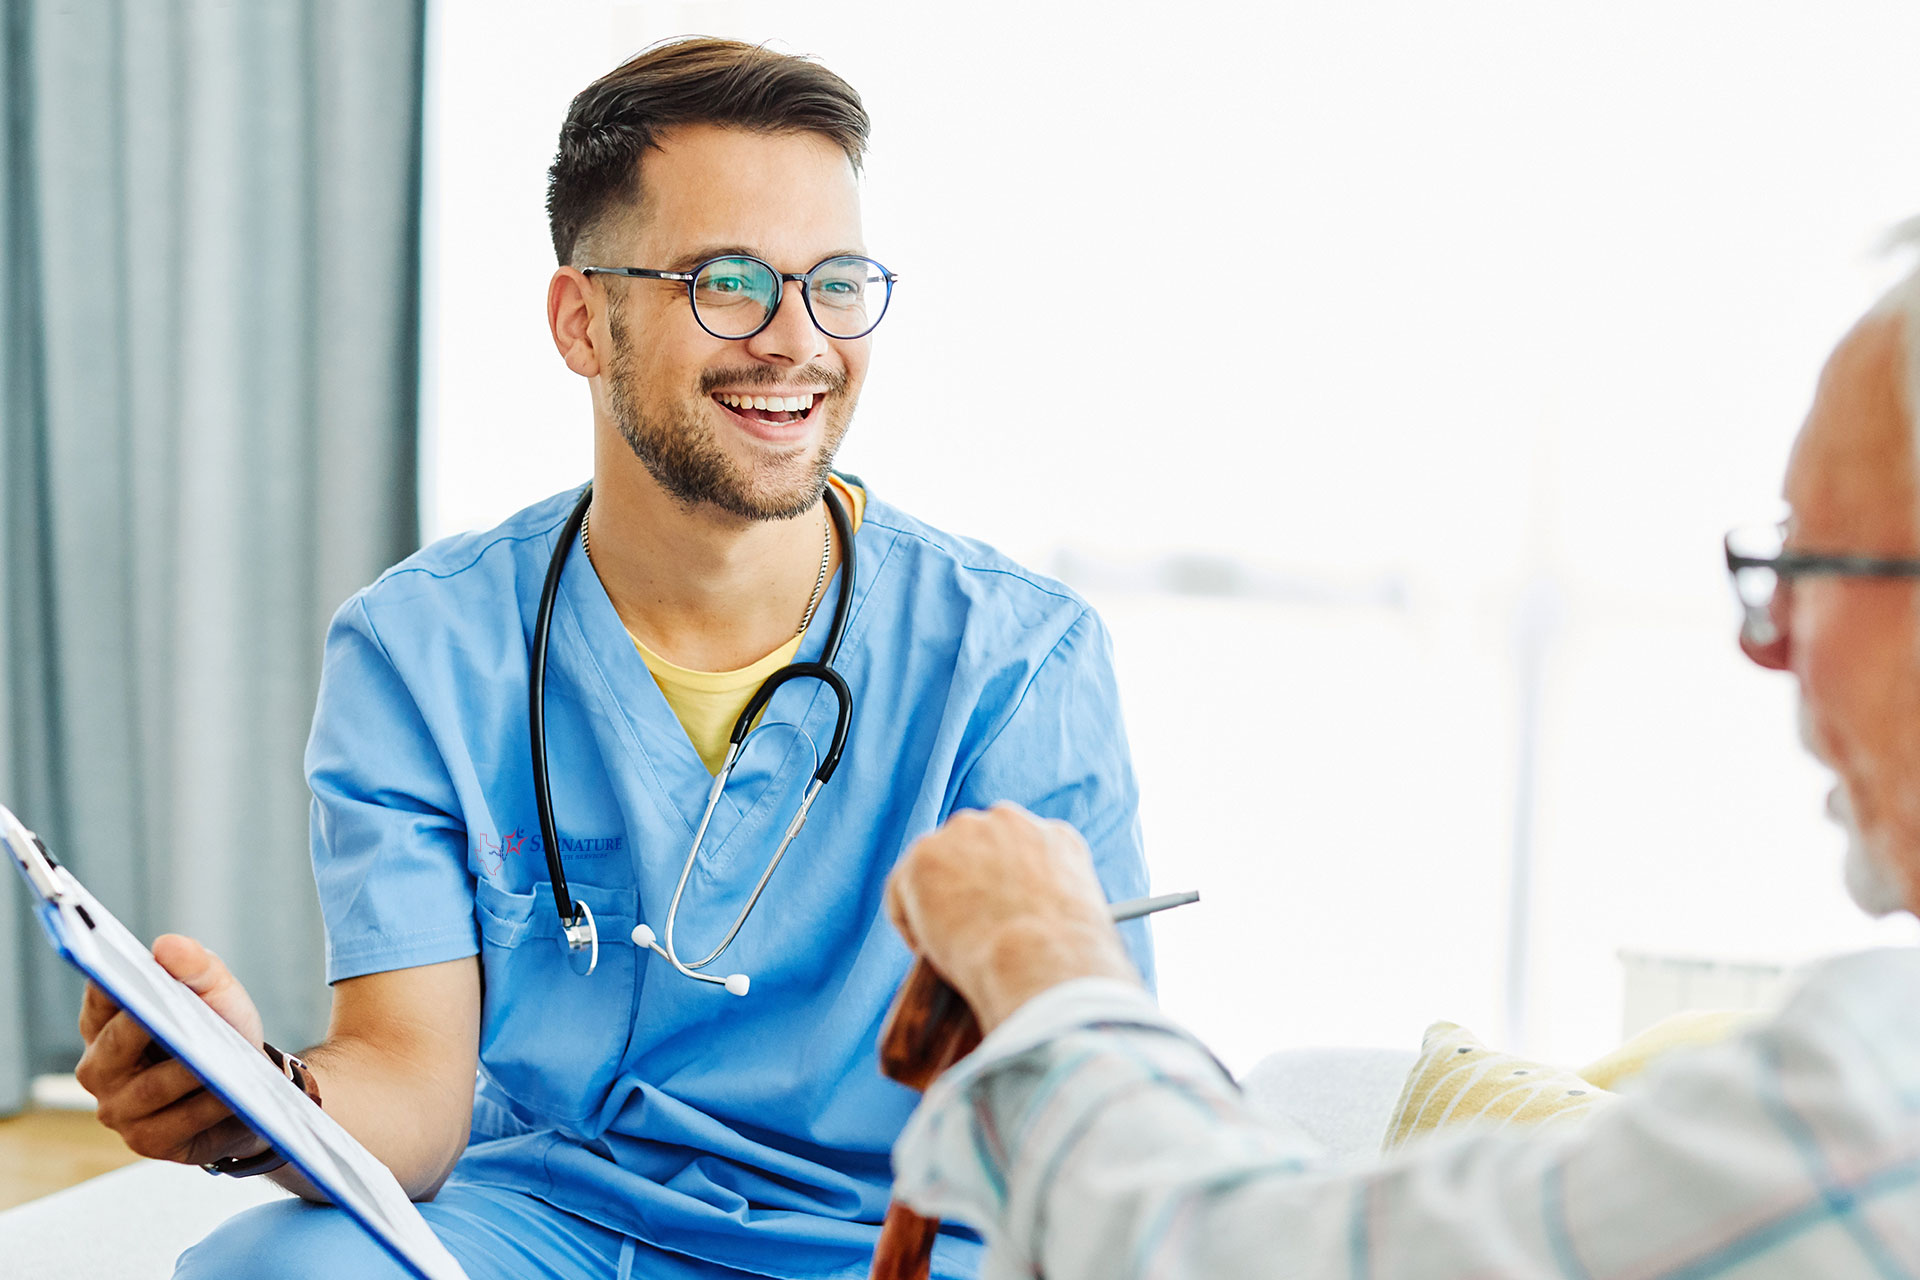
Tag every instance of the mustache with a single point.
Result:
(764, 379)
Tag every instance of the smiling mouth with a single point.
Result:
(777, 409)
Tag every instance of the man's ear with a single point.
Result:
(570, 320)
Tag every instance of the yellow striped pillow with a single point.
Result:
(1459, 1082)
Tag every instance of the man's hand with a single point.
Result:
(157, 1106)
(1005, 905)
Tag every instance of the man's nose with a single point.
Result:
(1774, 653)
(791, 337)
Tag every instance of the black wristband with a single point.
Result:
(295, 1070)
(246, 1166)
(269, 1160)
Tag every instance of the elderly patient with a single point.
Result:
(1090, 1137)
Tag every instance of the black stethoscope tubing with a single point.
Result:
(537, 685)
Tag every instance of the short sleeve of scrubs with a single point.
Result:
(1062, 753)
(389, 851)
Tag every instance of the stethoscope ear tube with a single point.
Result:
(842, 719)
(537, 724)
(843, 600)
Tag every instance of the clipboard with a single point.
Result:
(88, 937)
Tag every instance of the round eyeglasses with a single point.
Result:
(1763, 570)
(736, 296)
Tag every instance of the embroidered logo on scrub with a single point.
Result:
(494, 852)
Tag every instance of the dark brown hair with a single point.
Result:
(698, 80)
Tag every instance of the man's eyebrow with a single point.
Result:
(694, 257)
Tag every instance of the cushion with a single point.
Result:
(1686, 1030)
(1457, 1082)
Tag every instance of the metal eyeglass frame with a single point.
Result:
(1758, 625)
(780, 279)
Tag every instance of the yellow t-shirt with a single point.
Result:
(708, 702)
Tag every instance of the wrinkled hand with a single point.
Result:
(1005, 905)
(157, 1106)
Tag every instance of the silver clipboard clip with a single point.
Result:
(46, 876)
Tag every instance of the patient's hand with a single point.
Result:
(157, 1106)
(1005, 905)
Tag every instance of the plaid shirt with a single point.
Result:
(1090, 1138)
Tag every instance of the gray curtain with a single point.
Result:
(209, 238)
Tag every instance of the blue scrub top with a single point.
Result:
(753, 1132)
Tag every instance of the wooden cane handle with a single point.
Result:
(928, 1029)
(905, 1251)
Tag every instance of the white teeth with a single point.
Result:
(770, 404)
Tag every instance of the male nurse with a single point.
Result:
(715, 291)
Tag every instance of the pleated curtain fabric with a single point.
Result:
(209, 246)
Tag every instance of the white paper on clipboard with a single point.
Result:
(87, 935)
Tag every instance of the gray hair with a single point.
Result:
(1903, 300)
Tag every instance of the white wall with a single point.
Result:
(1513, 302)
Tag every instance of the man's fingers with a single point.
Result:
(192, 963)
(1063, 831)
(230, 1137)
(161, 1111)
(115, 1053)
(178, 1132)
(96, 1010)
(895, 902)
(208, 977)
(149, 1092)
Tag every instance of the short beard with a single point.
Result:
(1871, 879)
(681, 455)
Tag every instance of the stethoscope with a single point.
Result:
(579, 933)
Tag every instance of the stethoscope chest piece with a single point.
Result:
(580, 939)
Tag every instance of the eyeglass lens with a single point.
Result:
(1758, 587)
(735, 297)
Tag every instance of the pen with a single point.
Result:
(1134, 908)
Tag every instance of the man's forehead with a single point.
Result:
(1851, 481)
(774, 194)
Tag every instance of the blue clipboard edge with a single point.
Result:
(44, 884)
